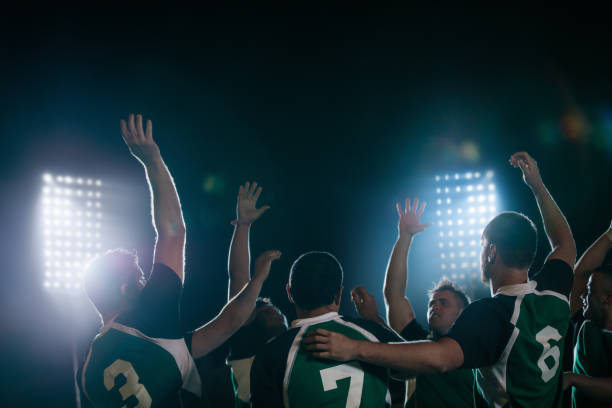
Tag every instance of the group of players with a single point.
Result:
(509, 350)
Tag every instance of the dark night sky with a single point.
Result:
(337, 113)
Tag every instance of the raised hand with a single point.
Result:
(246, 211)
(365, 304)
(263, 263)
(529, 167)
(410, 219)
(140, 142)
(331, 345)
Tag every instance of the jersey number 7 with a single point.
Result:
(331, 375)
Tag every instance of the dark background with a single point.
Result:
(337, 112)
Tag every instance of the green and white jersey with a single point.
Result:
(515, 339)
(284, 374)
(453, 389)
(140, 359)
(592, 357)
(242, 348)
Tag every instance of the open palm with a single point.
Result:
(410, 218)
(246, 210)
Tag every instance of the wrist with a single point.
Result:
(152, 162)
(405, 237)
(358, 350)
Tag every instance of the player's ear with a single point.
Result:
(338, 296)
(492, 253)
(288, 289)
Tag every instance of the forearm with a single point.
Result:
(595, 255)
(555, 225)
(414, 357)
(239, 260)
(592, 259)
(233, 315)
(399, 309)
(599, 388)
(396, 277)
(240, 307)
(165, 205)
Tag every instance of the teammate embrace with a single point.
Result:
(514, 340)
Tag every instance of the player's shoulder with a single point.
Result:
(376, 330)
(281, 342)
(555, 275)
(498, 307)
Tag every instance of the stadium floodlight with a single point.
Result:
(71, 237)
(465, 204)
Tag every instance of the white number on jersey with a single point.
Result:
(544, 337)
(132, 387)
(331, 375)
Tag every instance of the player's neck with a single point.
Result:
(507, 276)
(305, 314)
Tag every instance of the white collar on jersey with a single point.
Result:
(314, 320)
(517, 289)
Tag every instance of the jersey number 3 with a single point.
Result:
(544, 337)
(131, 388)
(331, 375)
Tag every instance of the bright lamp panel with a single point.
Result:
(465, 203)
(71, 228)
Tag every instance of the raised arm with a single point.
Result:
(555, 225)
(239, 259)
(165, 205)
(236, 312)
(399, 308)
(590, 260)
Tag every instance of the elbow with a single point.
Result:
(391, 294)
(387, 293)
(439, 365)
(566, 250)
(443, 367)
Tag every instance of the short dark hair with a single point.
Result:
(445, 284)
(315, 279)
(104, 276)
(515, 237)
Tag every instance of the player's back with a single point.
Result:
(528, 369)
(534, 362)
(126, 367)
(141, 358)
(285, 374)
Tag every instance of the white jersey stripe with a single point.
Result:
(290, 360)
